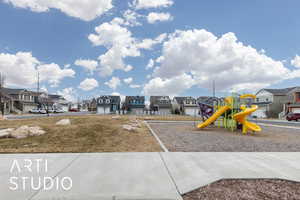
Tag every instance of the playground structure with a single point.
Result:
(231, 113)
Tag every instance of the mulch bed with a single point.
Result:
(184, 137)
(252, 189)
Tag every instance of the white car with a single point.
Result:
(34, 111)
(37, 111)
(58, 111)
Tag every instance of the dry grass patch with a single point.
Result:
(169, 118)
(88, 133)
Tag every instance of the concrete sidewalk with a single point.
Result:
(143, 175)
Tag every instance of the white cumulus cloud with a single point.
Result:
(88, 84)
(150, 64)
(86, 10)
(120, 44)
(68, 93)
(113, 83)
(165, 86)
(90, 65)
(199, 57)
(53, 74)
(128, 80)
(154, 17)
(296, 61)
(145, 4)
(21, 70)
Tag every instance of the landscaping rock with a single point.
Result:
(128, 127)
(25, 131)
(116, 117)
(63, 122)
(5, 133)
(36, 131)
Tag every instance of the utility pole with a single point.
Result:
(214, 88)
(38, 82)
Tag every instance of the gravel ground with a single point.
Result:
(185, 137)
(247, 190)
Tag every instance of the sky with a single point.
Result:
(84, 49)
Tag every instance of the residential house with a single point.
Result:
(134, 105)
(5, 103)
(160, 105)
(93, 105)
(271, 102)
(84, 106)
(22, 100)
(59, 102)
(293, 104)
(185, 106)
(108, 104)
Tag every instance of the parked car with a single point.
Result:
(58, 111)
(293, 116)
(37, 111)
(74, 110)
(34, 111)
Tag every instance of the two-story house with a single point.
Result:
(160, 105)
(293, 104)
(185, 106)
(108, 104)
(22, 100)
(271, 102)
(93, 105)
(134, 105)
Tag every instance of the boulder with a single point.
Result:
(21, 132)
(116, 117)
(5, 133)
(128, 127)
(36, 131)
(63, 122)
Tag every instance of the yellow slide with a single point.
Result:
(214, 117)
(241, 117)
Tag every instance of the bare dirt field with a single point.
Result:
(247, 190)
(88, 133)
(183, 136)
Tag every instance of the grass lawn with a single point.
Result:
(88, 133)
(169, 118)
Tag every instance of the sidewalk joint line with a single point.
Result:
(170, 175)
(58, 173)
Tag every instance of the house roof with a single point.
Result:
(282, 91)
(11, 91)
(114, 99)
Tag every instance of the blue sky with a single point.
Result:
(55, 37)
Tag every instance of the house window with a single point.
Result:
(100, 101)
(107, 101)
(257, 99)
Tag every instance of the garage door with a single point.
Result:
(101, 110)
(191, 111)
